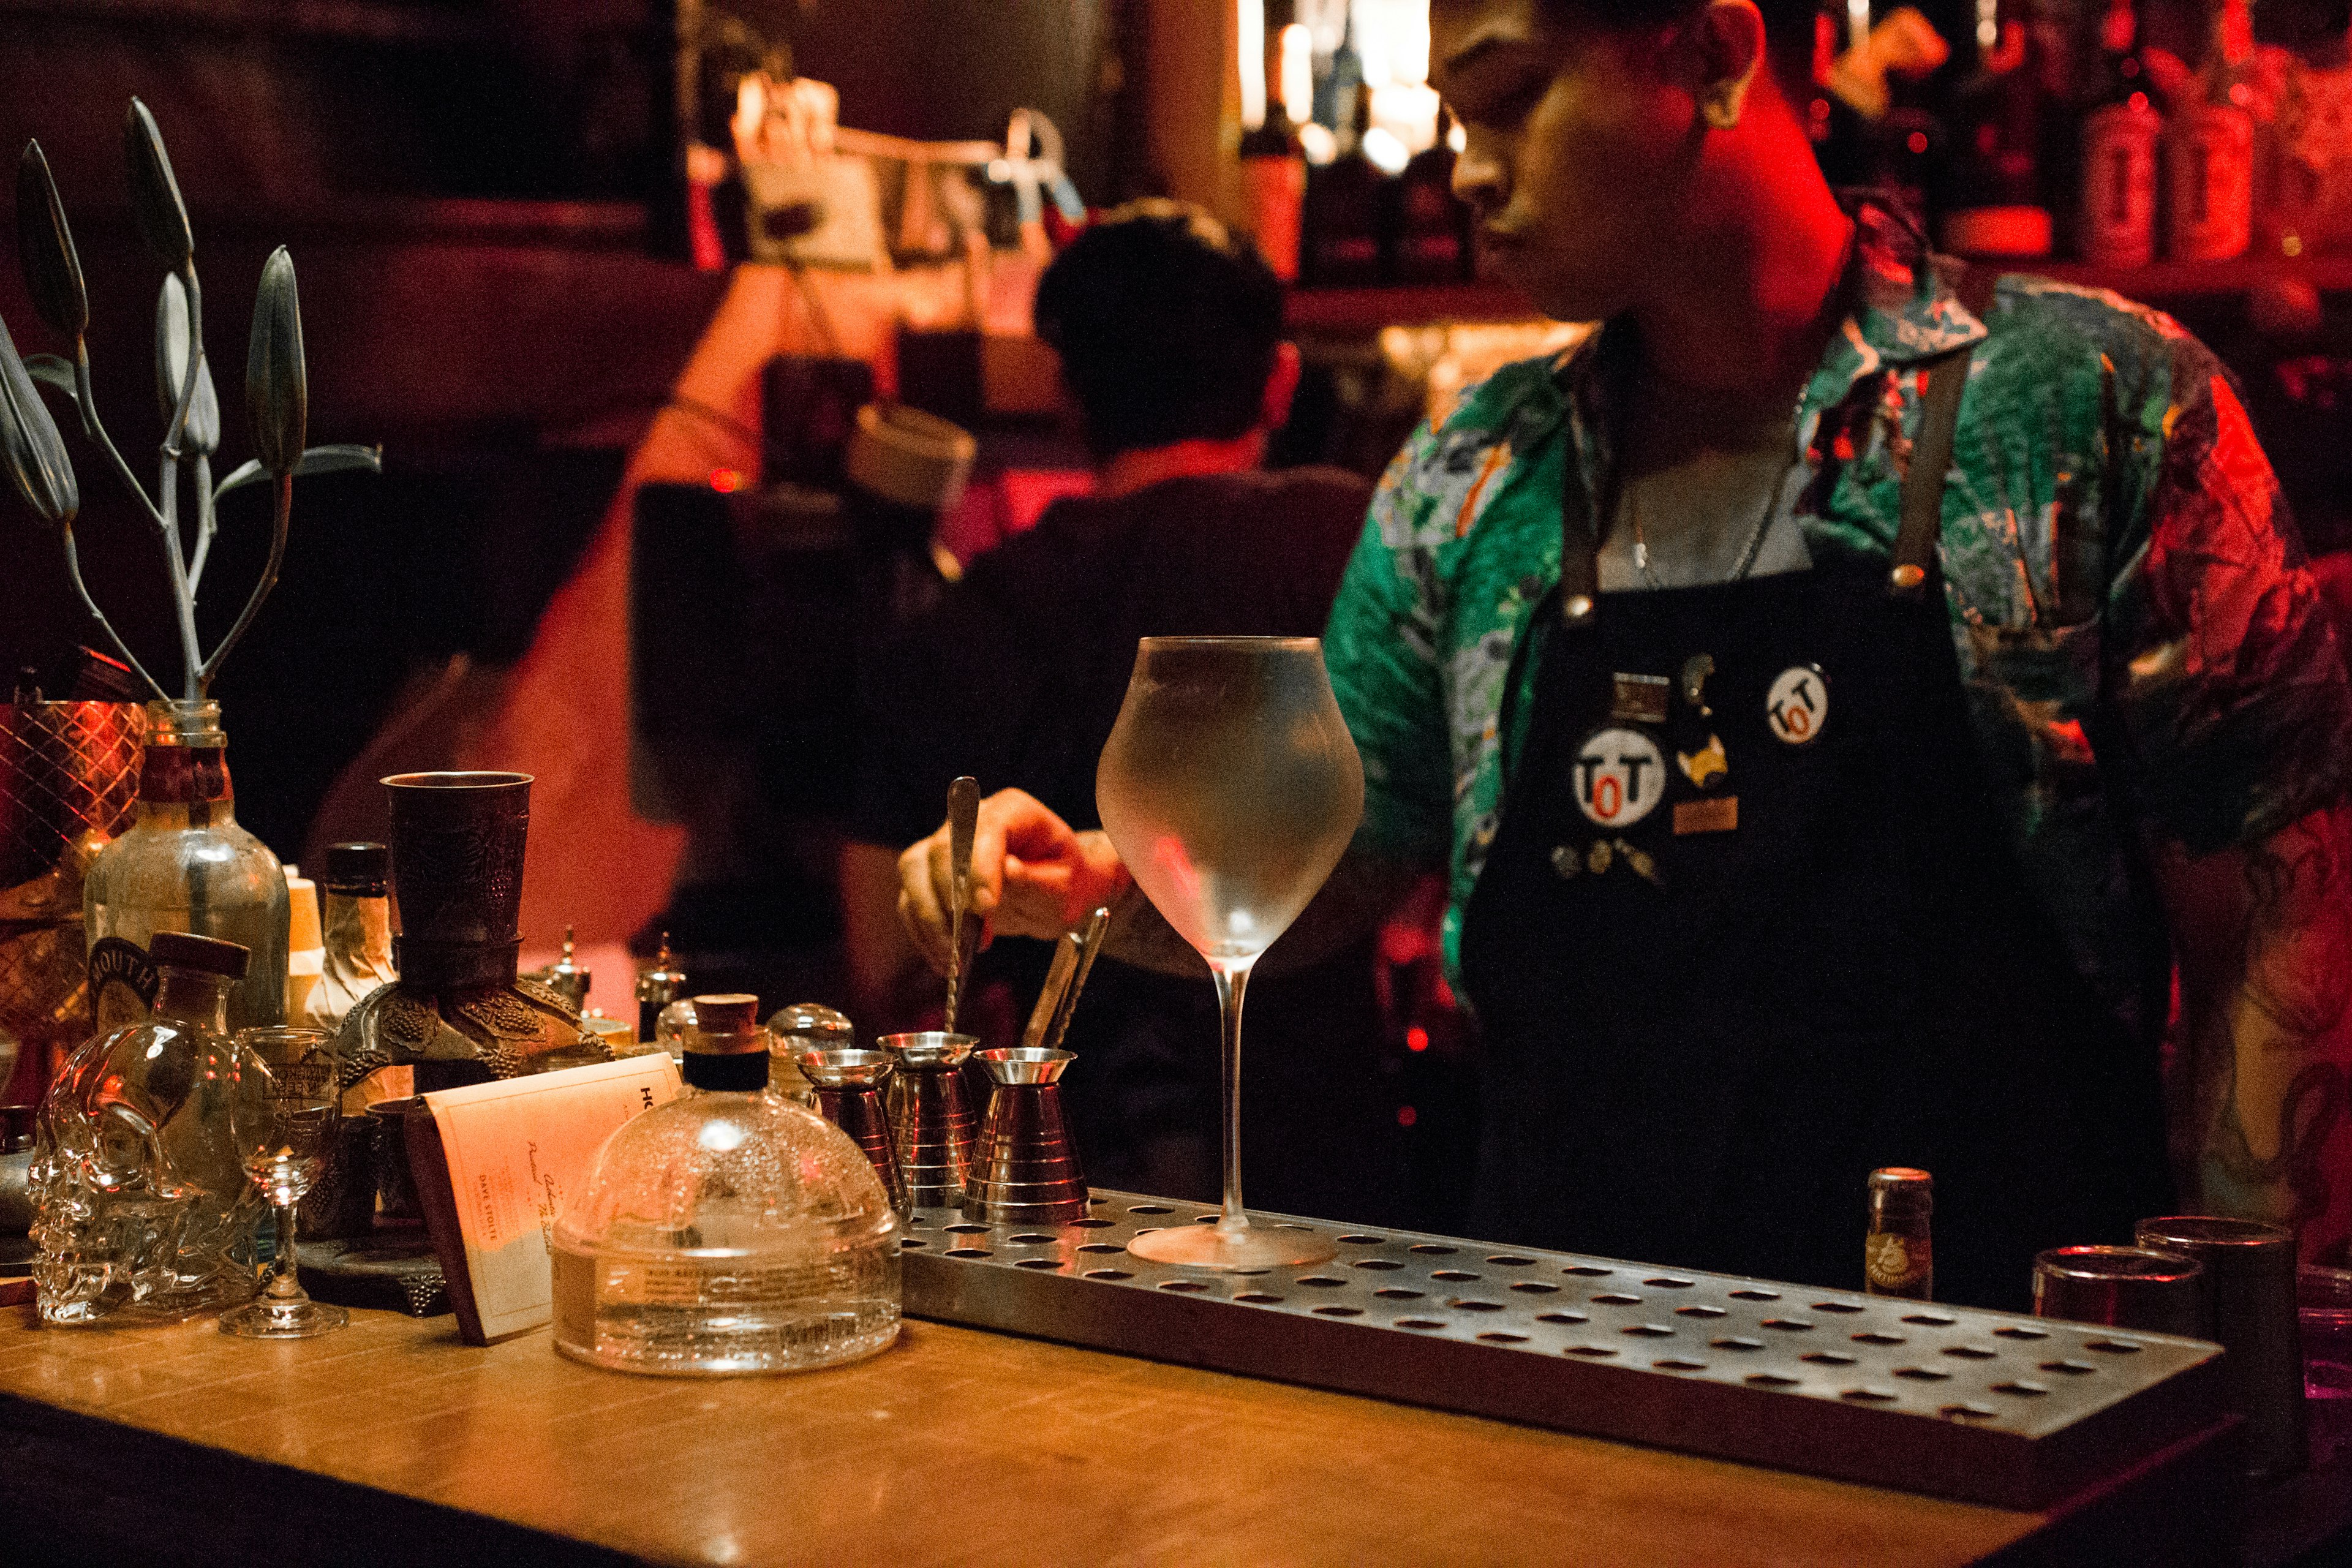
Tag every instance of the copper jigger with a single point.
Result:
(931, 1123)
(1027, 1169)
(849, 1095)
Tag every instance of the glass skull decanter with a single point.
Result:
(141, 1205)
(728, 1231)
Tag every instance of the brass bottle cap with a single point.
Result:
(1890, 1176)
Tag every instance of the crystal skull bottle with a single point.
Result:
(728, 1231)
(141, 1204)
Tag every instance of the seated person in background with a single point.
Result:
(1170, 337)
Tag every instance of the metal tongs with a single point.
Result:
(963, 821)
(1074, 955)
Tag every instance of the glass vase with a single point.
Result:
(184, 865)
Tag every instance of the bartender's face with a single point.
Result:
(1580, 147)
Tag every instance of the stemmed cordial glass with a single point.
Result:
(1230, 787)
(284, 1121)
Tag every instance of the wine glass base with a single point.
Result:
(1243, 1250)
(297, 1319)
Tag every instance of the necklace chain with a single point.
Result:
(1748, 552)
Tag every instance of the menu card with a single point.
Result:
(493, 1164)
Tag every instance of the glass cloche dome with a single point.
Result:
(728, 1231)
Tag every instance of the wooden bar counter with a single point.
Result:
(392, 1441)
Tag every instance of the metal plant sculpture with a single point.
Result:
(276, 394)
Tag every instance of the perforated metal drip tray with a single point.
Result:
(1949, 1400)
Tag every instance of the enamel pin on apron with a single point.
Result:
(1639, 698)
(1713, 814)
(1798, 705)
(1620, 778)
(1706, 764)
(1696, 671)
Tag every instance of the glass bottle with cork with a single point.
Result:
(728, 1231)
(184, 865)
(140, 1198)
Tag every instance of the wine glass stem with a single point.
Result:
(282, 1286)
(1233, 979)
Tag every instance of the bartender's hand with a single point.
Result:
(1031, 876)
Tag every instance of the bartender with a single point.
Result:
(1843, 692)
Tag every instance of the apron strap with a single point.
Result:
(1947, 377)
(1922, 525)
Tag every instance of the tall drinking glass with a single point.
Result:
(284, 1122)
(1230, 788)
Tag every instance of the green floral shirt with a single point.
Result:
(2141, 643)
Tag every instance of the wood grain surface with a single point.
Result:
(955, 1446)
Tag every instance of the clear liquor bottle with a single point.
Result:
(141, 1203)
(728, 1231)
(184, 865)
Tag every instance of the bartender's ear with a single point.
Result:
(1281, 387)
(1725, 50)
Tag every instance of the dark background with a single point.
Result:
(480, 199)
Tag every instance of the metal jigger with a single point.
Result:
(1026, 1170)
(849, 1095)
(930, 1121)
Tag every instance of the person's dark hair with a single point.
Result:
(1788, 27)
(1166, 327)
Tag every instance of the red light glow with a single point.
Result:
(1407, 1116)
(726, 481)
(1416, 1038)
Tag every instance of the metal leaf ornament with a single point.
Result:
(202, 435)
(30, 448)
(44, 248)
(277, 386)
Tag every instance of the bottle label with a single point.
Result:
(1896, 1265)
(123, 985)
(2212, 183)
(2119, 185)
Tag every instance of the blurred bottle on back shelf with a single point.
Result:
(1274, 181)
(2303, 192)
(1350, 229)
(2210, 147)
(1990, 191)
(1434, 242)
(2116, 193)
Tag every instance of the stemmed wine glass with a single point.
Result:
(1230, 787)
(284, 1121)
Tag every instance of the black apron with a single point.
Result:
(1713, 1000)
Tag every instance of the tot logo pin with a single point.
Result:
(1798, 704)
(1620, 777)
